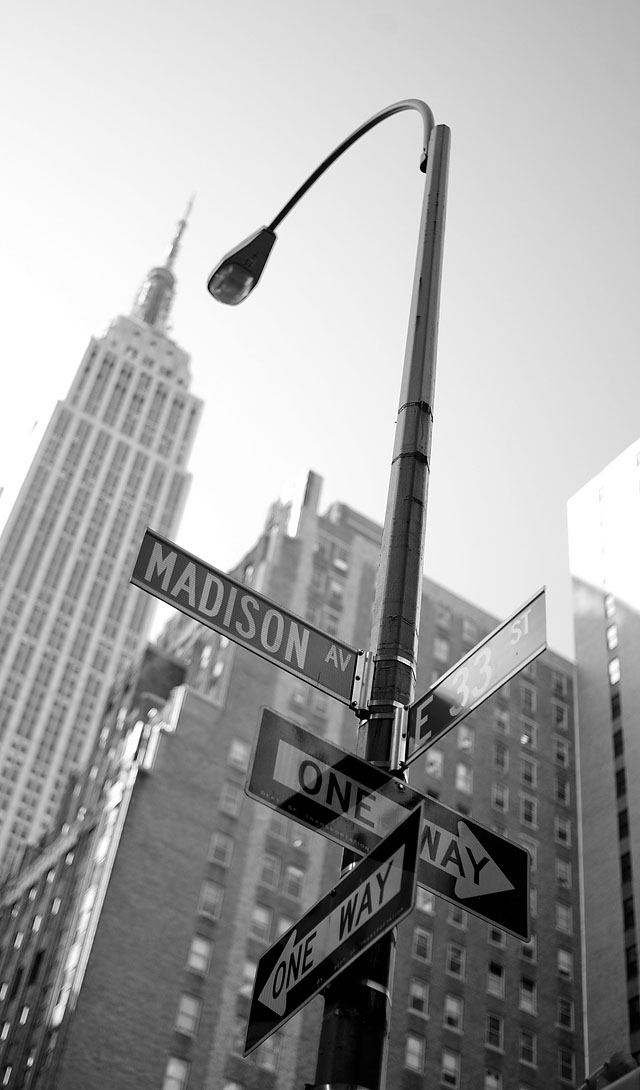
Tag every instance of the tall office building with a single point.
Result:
(112, 461)
(174, 886)
(604, 544)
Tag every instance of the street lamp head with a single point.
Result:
(239, 271)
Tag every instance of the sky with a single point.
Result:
(115, 112)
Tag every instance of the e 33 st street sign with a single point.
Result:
(241, 614)
(366, 903)
(505, 651)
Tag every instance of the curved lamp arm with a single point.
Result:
(239, 271)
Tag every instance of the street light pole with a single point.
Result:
(357, 1011)
(355, 1028)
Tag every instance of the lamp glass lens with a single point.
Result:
(231, 284)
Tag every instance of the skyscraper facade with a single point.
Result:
(112, 460)
(604, 544)
(190, 880)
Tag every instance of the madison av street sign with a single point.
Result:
(355, 803)
(505, 651)
(365, 904)
(235, 610)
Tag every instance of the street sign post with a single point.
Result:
(235, 610)
(505, 651)
(355, 803)
(365, 903)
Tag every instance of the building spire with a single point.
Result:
(155, 297)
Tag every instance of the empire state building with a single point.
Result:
(111, 462)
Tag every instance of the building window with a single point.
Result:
(464, 778)
(248, 976)
(563, 831)
(270, 875)
(450, 1069)
(441, 649)
(500, 757)
(231, 798)
(565, 965)
(443, 615)
(494, 1031)
(528, 772)
(199, 956)
(496, 936)
(239, 753)
(260, 925)
(559, 684)
(188, 1014)
(621, 783)
(563, 790)
(623, 824)
(529, 812)
(528, 1047)
(612, 637)
(457, 916)
(501, 720)
(292, 881)
(529, 949)
(560, 714)
(564, 918)
(566, 1064)
(565, 1012)
(433, 764)
(425, 900)
(221, 849)
(625, 867)
(453, 1007)
(465, 737)
(414, 1050)
(492, 1079)
(527, 698)
(283, 924)
(528, 999)
(528, 731)
(418, 997)
(563, 873)
(268, 1055)
(614, 671)
(211, 896)
(500, 797)
(455, 960)
(469, 630)
(495, 979)
(422, 944)
(561, 752)
(532, 848)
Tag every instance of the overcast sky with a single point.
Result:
(115, 112)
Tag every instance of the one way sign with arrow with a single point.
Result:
(368, 901)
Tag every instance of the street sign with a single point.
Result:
(355, 803)
(365, 903)
(235, 610)
(324, 787)
(505, 651)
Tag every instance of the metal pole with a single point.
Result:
(354, 1038)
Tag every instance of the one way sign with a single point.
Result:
(365, 904)
(355, 803)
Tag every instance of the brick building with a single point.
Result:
(202, 878)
